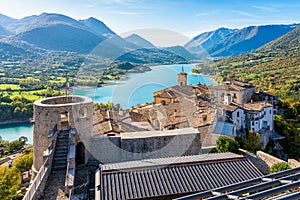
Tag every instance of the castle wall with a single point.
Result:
(132, 146)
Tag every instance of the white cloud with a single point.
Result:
(247, 14)
(206, 13)
(123, 2)
(125, 12)
(262, 8)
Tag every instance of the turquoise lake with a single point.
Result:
(137, 89)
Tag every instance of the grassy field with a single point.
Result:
(9, 86)
(30, 95)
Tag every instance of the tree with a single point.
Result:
(279, 167)
(225, 144)
(23, 163)
(252, 144)
(9, 182)
(15, 146)
(23, 139)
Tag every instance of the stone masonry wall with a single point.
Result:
(258, 162)
(268, 159)
(293, 163)
(47, 115)
(115, 149)
(262, 160)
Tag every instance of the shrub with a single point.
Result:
(23, 163)
(225, 144)
(279, 167)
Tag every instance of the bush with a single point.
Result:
(225, 144)
(23, 163)
(279, 167)
(9, 183)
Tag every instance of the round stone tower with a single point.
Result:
(59, 113)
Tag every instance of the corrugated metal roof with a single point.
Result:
(178, 175)
(281, 185)
(169, 161)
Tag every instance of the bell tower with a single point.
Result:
(182, 78)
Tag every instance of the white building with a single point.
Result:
(259, 115)
(251, 116)
(234, 96)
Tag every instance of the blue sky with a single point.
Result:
(188, 17)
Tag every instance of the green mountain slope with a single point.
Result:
(248, 39)
(285, 42)
(274, 67)
(62, 37)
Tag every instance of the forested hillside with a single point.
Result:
(274, 67)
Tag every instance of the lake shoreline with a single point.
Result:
(14, 121)
(136, 88)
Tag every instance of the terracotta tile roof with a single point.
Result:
(231, 108)
(185, 90)
(270, 93)
(256, 106)
(168, 94)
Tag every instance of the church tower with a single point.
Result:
(182, 78)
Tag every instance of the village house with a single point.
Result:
(238, 111)
(238, 91)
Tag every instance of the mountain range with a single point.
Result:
(226, 42)
(139, 41)
(273, 67)
(51, 31)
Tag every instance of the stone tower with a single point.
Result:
(59, 113)
(182, 78)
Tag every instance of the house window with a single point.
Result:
(270, 112)
(234, 95)
(238, 114)
(252, 123)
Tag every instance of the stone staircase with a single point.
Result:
(61, 151)
(55, 185)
